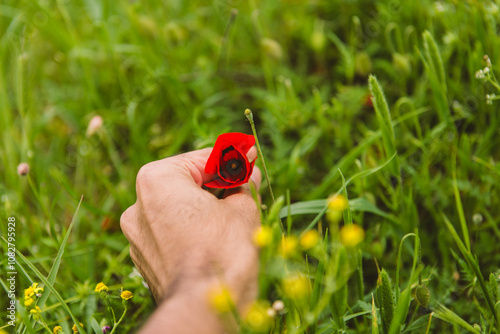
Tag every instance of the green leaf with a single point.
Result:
(95, 326)
(375, 329)
(445, 314)
(360, 204)
(57, 261)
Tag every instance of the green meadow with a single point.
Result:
(391, 105)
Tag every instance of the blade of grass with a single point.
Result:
(95, 326)
(433, 64)
(57, 261)
(347, 211)
(473, 265)
(358, 175)
(398, 262)
(374, 317)
(51, 288)
(451, 317)
(458, 201)
(403, 304)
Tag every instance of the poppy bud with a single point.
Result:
(401, 63)
(94, 125)
(272, 48)
(23, 169)
(363, 64)
(318, 38)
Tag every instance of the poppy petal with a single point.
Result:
(228, 160)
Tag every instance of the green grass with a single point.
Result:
(418, 164)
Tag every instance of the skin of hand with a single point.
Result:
(184, 241)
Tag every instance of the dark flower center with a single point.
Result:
(233, 167)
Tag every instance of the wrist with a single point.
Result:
(175, 314)
(197, 273)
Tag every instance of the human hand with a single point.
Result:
(183, 238)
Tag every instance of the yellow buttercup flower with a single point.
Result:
(337, 203)
(57, 329)
(288, 246)
(258, 318)
(352, 235)
(75, 329)
(336, 206)
(309, 239)
(296, 287)
(263, 236)
(126, 295)
(28, 302)
(101, 287)
(35, 310)
(220, 299)
(29, 292)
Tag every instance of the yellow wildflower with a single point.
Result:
(126, 295)
(75, 329)
(337, 203)
(220, 298)
(36, 289)
(352, 235)
(288, 246)
(57, 329)
(35, 310)
(336, 206)
(263, 236)
(258, 318)
(309, 239)
(296, 287)
(28, 302)
(29, 292)
(101, 287)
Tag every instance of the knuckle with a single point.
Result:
(129, 223)
(144, 175)
(147, 177)
(125, 218)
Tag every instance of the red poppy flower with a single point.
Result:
(228, 161)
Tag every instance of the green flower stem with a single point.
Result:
(249, 116)
(110, 310)
(115, 324)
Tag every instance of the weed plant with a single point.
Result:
(379, 125)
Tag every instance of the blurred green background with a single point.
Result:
(170, 76)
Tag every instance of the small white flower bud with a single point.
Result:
(271, 312)
(278, 305)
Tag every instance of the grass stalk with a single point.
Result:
(249, 116)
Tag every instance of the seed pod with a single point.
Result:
(422, 295)
(386, 300)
